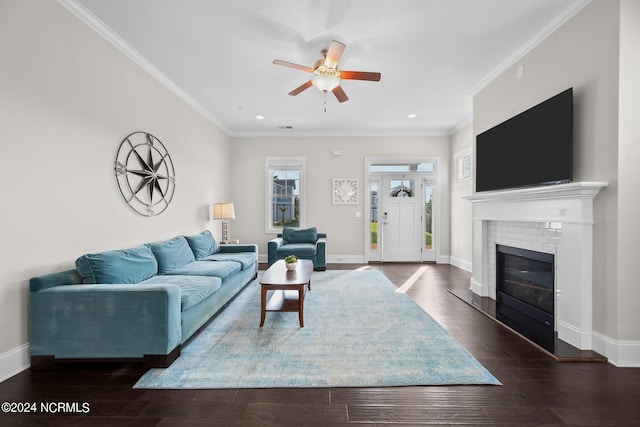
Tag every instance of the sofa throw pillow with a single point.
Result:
(292, 235)
(119, 266)
(203, 244)
(172, 253)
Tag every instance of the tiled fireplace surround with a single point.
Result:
(543, 236)
(556, 219)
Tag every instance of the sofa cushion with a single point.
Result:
(307, 235)
(118, 266)
(203, 244)
(172, 254)
(221, 269)
(297, 249)
(247, 259)
(193, 289)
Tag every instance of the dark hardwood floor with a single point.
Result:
(536, 390)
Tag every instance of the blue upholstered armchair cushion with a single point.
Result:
(307, 235)
(203, 244)
(297, 249)
(120, 266)
(172, 254)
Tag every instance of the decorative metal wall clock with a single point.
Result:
(144, 173)
(345, 191)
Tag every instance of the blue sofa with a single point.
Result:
(141, 303)
(304, 243)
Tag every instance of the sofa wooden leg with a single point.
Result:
(43, 363)
(160, 360)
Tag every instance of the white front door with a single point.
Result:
(401, 218)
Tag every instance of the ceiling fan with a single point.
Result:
(326, 75)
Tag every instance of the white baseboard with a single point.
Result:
(620, 353)
(346, 259)
(14, 361)
(477, 288)
(443, 259)
(336, 259)
(461, 263)
(574, 336)
(359, 259)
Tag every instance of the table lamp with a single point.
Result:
(224, 211)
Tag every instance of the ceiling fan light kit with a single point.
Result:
(325, 82)
(326, 77)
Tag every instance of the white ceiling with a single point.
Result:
(217, 54)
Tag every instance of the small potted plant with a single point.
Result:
(291, 261)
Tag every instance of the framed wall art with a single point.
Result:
(345, 191)
(144, 173)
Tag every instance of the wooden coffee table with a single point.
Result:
(288, 286)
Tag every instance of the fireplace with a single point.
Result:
(570, 205)
(525, 289)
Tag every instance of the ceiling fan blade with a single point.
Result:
(300, 88)
(292, 65)
(360, 75)
(333, 54)
(339, 93)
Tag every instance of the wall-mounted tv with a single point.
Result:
(533, 148)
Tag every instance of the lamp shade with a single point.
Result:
(325, 82)
(223, 210)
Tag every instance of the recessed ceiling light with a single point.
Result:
(259, 117)
(412, 116)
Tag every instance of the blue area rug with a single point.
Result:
(358, 333)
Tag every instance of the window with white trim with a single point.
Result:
(463, 165)
(285, 205)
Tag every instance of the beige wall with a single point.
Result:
(582, 54)
(67, 99)
(345, 230)
(629, 172)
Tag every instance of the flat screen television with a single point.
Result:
(533, 148)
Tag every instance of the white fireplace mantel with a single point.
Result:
(571, 206)
(572, 202)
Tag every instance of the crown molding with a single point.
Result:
(546, 31)
(320, 134)
(459, 127)
(109, 35)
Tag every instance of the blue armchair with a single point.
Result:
(304, 243)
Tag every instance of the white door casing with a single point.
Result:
(403, 238)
